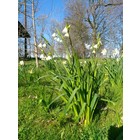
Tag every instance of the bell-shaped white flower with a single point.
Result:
(66, 35)
(42, 56)
(87, 46)
(44, 45)
(40, 45)
(115, 52)
(60, 41)
(54, 35)
(55, 38)
(48, 58)
(94, 51)
(104, 51)
(65, 30)
(21, 63)
(95, 46)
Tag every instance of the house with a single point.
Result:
(22, 32)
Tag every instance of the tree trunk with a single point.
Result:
(34, 28)
(25, 24)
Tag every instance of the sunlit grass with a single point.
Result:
(40, 118)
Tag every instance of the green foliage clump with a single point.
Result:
(87, 93)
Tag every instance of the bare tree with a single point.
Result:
(97, 18)
(103, 17)
(78, 31)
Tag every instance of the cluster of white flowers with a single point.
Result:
(21, 63)
(115, 53)
(42, 45)
(42, 57)
(56, 38)
(48, 58)
(93, 47)
(64, 31)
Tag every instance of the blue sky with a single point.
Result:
(53, 8)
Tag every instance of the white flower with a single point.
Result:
(42, 56)
(95, 46)
(60, 41)
(54, 35)
(21, 63)
(94, 51)
(66, 35)
(55, 38)
(104, 51)
(65, 31)
(48, 58)
(115, 52)
(40, 45)
(87, 46)
(44, 45)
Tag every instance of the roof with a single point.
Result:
(22, 32)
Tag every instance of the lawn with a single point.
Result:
(64, 101)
